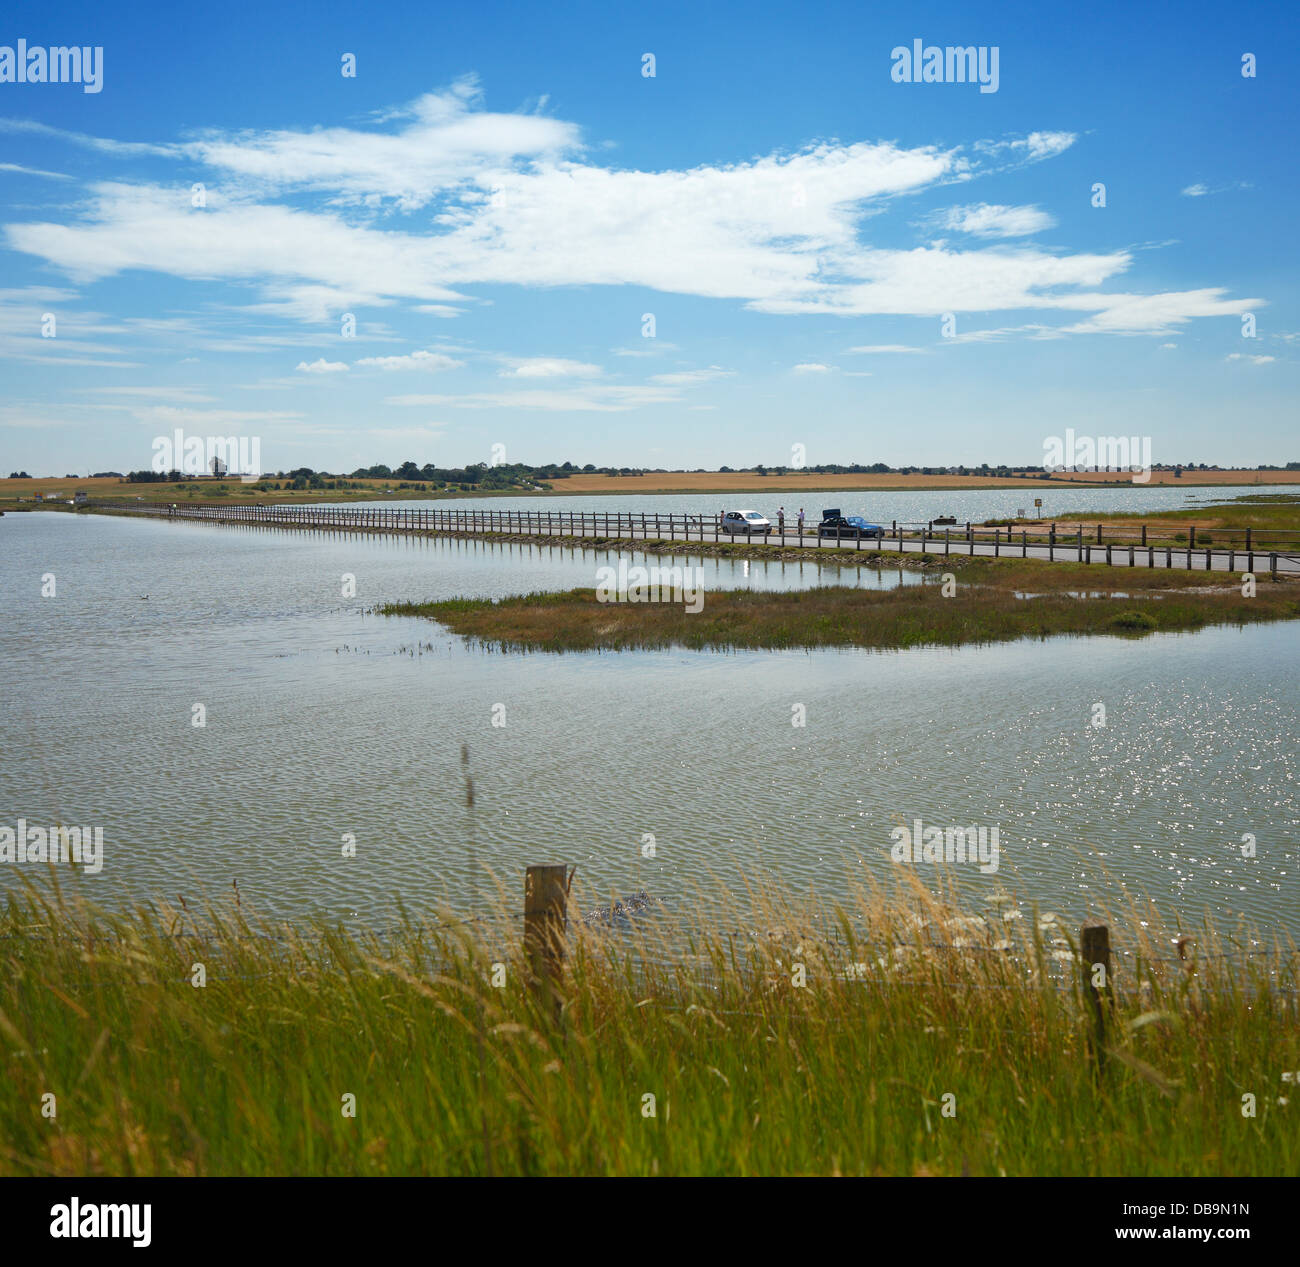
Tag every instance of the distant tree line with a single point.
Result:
(482, 475)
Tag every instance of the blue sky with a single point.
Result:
(500, 196)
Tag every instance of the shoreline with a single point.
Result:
(652, 486)
(996, 608)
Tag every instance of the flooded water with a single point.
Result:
(887, 505)
(324, 722)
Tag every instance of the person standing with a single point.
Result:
(801, 521)
(780, 521)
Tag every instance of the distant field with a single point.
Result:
(212, 491)
(747, 481)
(588, 484)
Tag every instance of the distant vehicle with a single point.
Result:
(945, 519)
(750, 522)
(850, 526)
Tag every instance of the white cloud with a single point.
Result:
(1154, 314)
(1200, 189)
(881, 348)
(516, 201)
(811, 367)
(34, 171)
(443, 143)
(587, 398)
(189, 394)
(550, 367)
(986, 220)
(686, 378)
(1033, 148)
(652, 347)
(321, 366)
(1003, 334)
(431, 361)
(1250, 359)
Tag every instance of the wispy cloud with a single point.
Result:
(880, 349)
(986, 220)
(321, 221)
(1201, 190)
(550, 367)
(686, 378)
(432, 362)
(588, 398)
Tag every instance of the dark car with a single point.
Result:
(850, 526)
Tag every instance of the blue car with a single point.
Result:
(850, 526)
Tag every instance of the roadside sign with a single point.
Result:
(1038, 503)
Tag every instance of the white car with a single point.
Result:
(747, 521)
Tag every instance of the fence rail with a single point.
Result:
(1248, 550)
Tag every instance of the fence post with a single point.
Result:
(1094, 944)
(546, 900)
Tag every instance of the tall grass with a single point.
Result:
(908, 999)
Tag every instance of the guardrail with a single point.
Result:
(997, 541)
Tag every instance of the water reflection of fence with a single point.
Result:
(1252, 552)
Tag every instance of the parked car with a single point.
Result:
(749, 522)
(850, 526)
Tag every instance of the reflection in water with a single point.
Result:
(324, 721)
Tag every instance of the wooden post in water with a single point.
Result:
(546, 899)
(1094, 945)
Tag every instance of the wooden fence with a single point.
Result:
(1080, 545)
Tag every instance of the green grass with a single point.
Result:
(1265, 514)
(988, 610)
(906, 1001)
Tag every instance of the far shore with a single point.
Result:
(663, 483)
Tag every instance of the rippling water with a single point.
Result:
(323, 720)
(886, 505)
